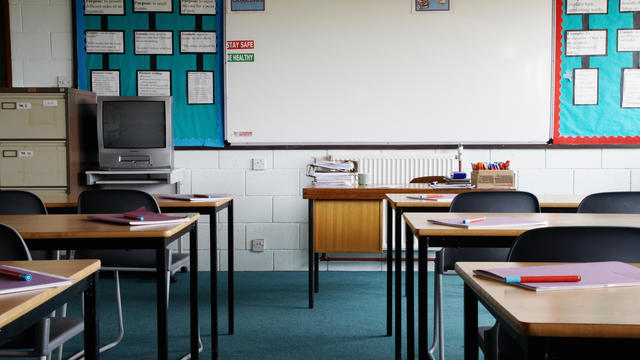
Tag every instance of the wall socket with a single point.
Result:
(257, 245)
(258, 164)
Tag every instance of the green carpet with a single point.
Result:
(272, 318)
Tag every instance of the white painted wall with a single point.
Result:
(269, 203)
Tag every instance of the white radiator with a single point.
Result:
(400, 170)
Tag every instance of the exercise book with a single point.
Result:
(39, 280)
(197, 197)
(141, 216)
(489, 222)
(592, 275)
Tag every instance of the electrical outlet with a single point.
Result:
(257, 245)
(258, 164)
(64, 81)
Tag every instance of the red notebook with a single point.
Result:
(144, 217)
(39, 280)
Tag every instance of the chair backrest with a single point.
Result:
(114, 201)
(427, 179)
(622, 202)
(19, 202)
(577, 243)
(12, 245)
(495, 201)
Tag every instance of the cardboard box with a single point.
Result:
(485, 179)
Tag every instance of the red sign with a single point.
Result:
(239, 44)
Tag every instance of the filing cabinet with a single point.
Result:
(47, 138)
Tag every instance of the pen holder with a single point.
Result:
(364, 179)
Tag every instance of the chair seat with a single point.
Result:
(133, 260)
(61, 329)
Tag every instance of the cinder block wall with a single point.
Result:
(269, 202)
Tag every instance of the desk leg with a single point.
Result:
(423, 299)
(213, 286)
(311, 257)
(409, 292)
(389, 270)
(161, 299)
(91, 333)
(230, 266)
(398, 285)
(470, 324)
(193, 290)
(316, 272)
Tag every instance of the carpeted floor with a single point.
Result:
(272, 318)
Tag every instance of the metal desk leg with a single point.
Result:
(193, 290)
(316, 272)
(91, 330)
(470, 324)
(398, 285)
(230, 266)
(213, 285)
(311, 257)
(161, 299)
(389, 270)
(409, 292)
(423, 299)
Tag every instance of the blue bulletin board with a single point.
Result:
(168, 47)
(597, 96)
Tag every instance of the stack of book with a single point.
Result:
(452, 183)
(333, 173)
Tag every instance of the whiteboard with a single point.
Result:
(378, 72)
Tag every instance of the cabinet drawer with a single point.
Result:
(32, 116)
(344, 226)
(33, 164)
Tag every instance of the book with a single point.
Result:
(39, 280)
(433, 197)
(489, 222)
(196, 197)
(141, 216)
(592, 275)
(451, 186)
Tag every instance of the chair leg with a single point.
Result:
(438, 319)
(80, 354)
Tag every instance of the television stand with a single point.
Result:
(137, 177)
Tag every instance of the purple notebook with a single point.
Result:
(592, 275)
(141, 216)
(490, 222)
(194, 198)
(39, 280)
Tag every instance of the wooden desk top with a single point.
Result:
(79, 226)
(12, 306)
(71, 201)
(374, 192)
(546, 201)
(421, 227)
(603, 313)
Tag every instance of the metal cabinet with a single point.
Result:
(47, 138)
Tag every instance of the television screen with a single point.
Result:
(133, 124)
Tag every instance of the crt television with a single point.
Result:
(134, 132)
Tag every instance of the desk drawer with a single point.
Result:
(344, 226)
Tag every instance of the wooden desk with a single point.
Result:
(592, 313)
(51, 232)
(19, 311)
(429, 234)
(64, 203)
(347, 220)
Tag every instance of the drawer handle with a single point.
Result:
(9, 153)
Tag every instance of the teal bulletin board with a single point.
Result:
(168, 47)
(597, 92)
